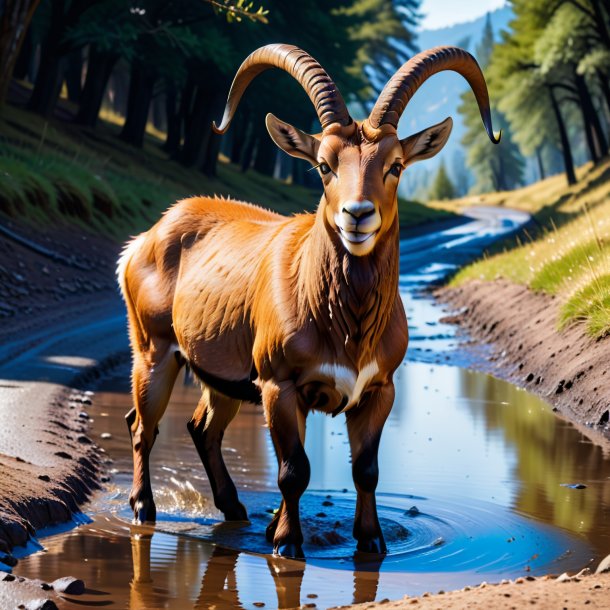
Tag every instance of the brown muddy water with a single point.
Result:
(472, 488)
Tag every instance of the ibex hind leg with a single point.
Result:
(153, 376)
(207, 426)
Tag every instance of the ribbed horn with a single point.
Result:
(320, 88)
(413, 74)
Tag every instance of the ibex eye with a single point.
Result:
(324, 168)
(395, 170)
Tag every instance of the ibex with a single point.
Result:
(300, 313)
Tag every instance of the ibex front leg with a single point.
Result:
(364, 425)
(280, 403)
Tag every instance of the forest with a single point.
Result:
(167, 66)
(549, 77)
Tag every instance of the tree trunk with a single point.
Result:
(266, 153)
(540, 164)
(596, 140)
(566, 151)
(298, 172)
(196, 129)
(99, 69)
(24, 60)
(240, 127)
(602, 80)
(212, 140)
(600, 22)
(249, 148)
(173, 120)
(73, 74)
(50, 73)
(14, 24)
(141, 86)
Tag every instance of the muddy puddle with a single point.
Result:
(472, 488)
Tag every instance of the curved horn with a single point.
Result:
(320, 88)
(411, 76)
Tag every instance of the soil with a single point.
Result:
(548, 592)
(567, 369)
(48, 281)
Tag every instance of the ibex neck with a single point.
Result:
(351, 295)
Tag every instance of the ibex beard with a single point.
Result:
(299, 313)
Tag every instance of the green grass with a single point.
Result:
(54, 172)
(571, 261)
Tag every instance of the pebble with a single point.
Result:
(105, 435)
(69, 585)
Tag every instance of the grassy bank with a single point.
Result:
(570, 257)
(53, 172)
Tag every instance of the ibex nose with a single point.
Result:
(358, 209)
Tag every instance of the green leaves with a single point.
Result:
(236, 11)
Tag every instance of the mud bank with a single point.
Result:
(511, 332)
(570, 593)
(50, 283)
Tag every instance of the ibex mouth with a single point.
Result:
(355, 237)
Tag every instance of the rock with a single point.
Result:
(105, 435)
(604, 566)
(574, 485)
(6, 577)
(69, 585)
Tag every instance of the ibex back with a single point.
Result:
(300, 313)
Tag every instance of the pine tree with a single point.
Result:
(498, 167)
(442, 187)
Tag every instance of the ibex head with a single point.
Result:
(360, 163)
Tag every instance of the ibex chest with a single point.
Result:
(335, 388)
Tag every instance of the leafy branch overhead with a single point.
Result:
(236, 11)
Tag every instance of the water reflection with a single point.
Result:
(481, 461)
(549, 452)
(219, 578)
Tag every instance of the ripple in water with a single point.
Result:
(422, 534)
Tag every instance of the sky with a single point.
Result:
(443, 13)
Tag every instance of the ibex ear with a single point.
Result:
(426, 143)
(293, 141)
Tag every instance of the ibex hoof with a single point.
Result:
(144, 511)
(236, 513)
(294, 551)
(372, 545)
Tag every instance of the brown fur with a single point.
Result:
(251, 298)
